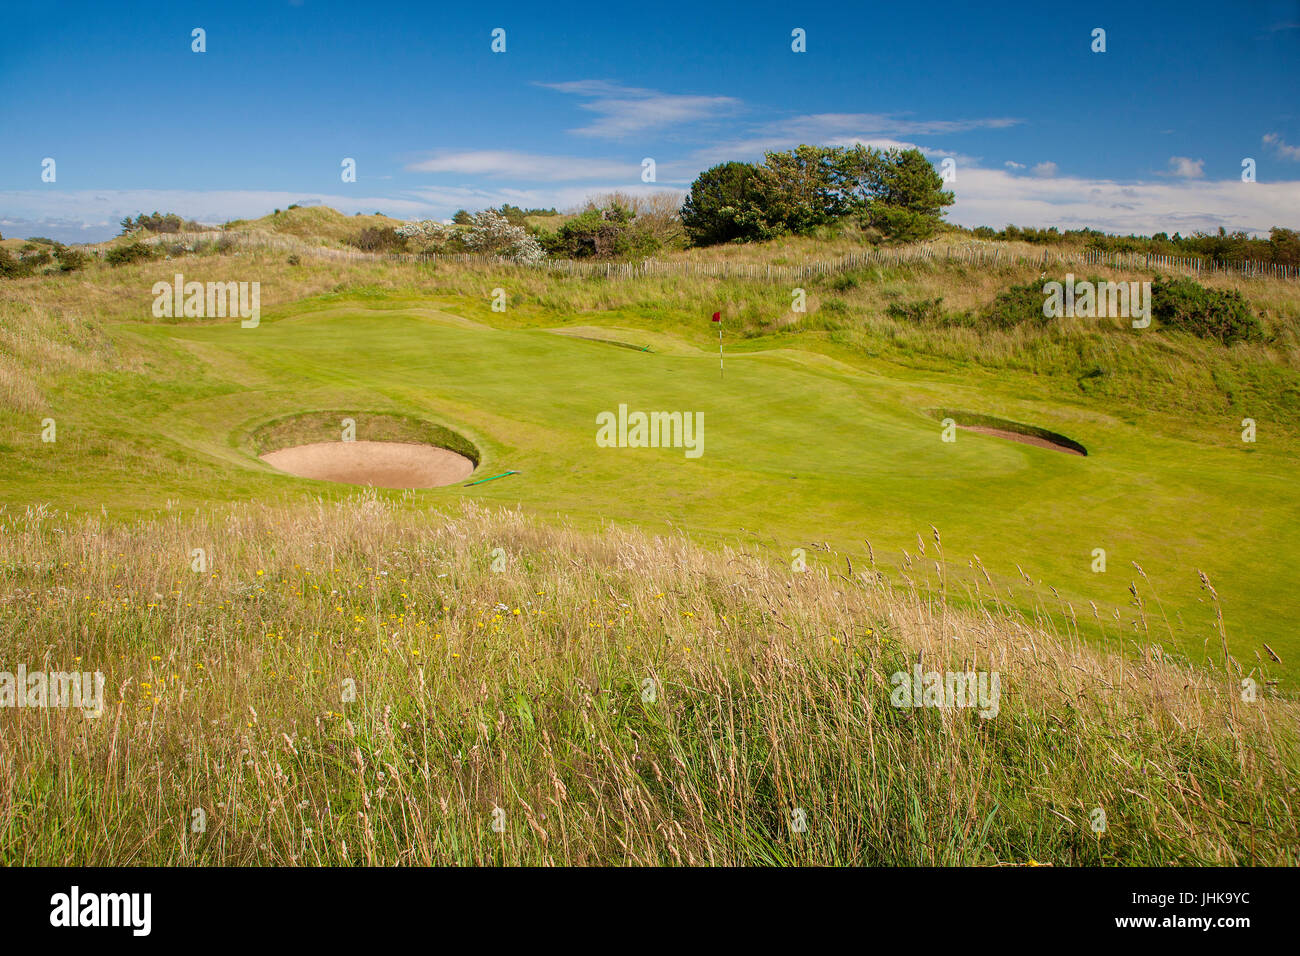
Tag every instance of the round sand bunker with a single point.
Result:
(382, 464)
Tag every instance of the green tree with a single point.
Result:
(903, 194)
(806, 187)
(896, 191)
(725, 204)
(1286, 246)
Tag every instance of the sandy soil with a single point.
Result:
(1024, 439)
(383, 464)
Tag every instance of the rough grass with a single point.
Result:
(317, 223)
(525, 689)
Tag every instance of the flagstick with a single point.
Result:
(720, 372)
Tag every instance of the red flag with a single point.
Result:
(717, 316)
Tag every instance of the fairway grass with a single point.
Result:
(801, 447)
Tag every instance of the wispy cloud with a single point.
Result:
(623, 110)
(528, 167)
(817, 126)
(879, 130)
(1282, 148)
(1044, 170)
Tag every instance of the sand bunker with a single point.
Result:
(382, 464)
(1026, 439)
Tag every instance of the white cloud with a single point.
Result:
(817, 126)
(1044, 170)
(995, 197)
(1012, 164)
(624, 110)
(879, 130)
(1283, 149)
(528, 167)
(1185, 168)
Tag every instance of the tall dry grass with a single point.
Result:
(522, 696)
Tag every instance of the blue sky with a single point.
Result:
(1148, 136)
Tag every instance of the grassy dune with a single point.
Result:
(525, 689)
(320, 224)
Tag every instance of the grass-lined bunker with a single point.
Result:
(393, 451)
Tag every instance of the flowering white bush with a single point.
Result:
(490, 233)
(428, 234)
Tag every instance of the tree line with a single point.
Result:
(891, 195)
(895, 192)
(1281, 247)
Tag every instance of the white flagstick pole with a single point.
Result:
(720, 372)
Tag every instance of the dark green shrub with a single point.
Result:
(34, 257)
(11, 267)
(1014, 306)
(901, 225)
(611, 232)
(378, 239)
(1219, 314)
(128, 253)
(70, 260)
(922, 311)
